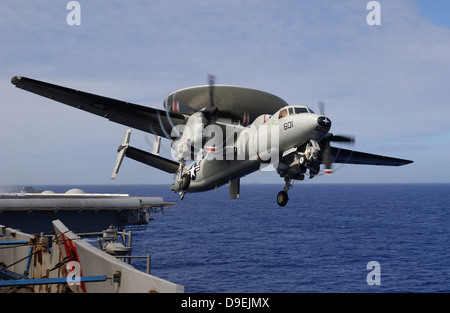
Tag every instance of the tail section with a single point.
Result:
(151, 159)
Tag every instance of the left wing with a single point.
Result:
(355, 157)
(158, 122)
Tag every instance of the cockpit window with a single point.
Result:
(291, 110)
(283, 113)
(299, 110)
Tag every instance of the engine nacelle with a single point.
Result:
(261, 119)
(295, 165)
(190, 137)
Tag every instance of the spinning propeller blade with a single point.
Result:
(210, 112)
(211, 81)
(327, 158)
(321, 108)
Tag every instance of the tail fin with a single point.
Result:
(122, 149)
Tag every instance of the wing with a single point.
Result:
(158, 122)
(355, 157)
(237, 103)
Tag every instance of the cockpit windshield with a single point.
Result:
(299, 110)
(291, 110)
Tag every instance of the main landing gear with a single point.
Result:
(182, 182)
(282, 197)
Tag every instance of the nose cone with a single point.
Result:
(322, 128)
(324, 122)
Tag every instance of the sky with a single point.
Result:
(387, 84)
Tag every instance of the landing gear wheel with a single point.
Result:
(185, 181)
(282, 198)
(302, 161)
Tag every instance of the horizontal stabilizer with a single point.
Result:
(153, 160)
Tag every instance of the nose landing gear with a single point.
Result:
(282, 197)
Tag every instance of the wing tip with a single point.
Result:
(402, 162)
(16, 79)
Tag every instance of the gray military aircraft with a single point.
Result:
(221, 133)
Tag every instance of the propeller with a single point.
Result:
(321, 108)
(210, 112)
(211, 81)
(327, 157)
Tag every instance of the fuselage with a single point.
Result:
(261, 144)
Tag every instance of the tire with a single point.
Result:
(302, 160)
(185, 182)
(282, 198)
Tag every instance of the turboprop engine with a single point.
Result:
(295, 164)
(190, 137)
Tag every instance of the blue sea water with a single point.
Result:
(322, 241)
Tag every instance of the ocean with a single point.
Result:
(359, 238)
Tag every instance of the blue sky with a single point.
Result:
(387, 85)
(437, 11)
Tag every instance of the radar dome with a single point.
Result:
(74, 191)
(48, 192)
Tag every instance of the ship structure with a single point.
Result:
(44, 245)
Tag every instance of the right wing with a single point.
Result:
(158, 122)
(355, 157)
